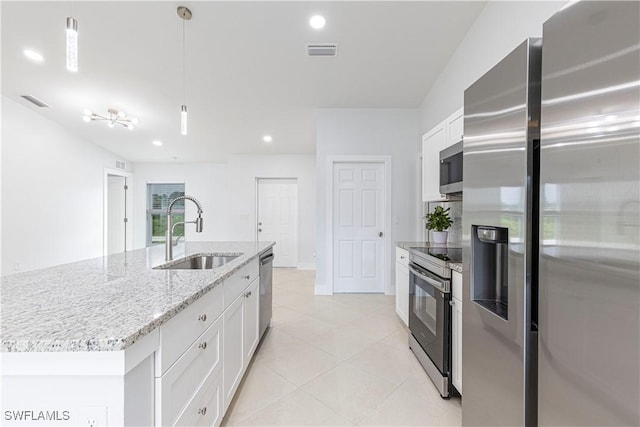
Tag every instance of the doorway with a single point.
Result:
(277, 218)
(117, 205)
(359, 218)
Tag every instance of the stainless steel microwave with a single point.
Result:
(451, 169)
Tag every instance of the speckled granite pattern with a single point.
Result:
(456, 266)
(108, 303)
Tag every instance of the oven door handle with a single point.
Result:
(441, 286)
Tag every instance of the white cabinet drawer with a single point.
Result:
(178, 386)
(238, 282)
(180, 332)
(456, 285)
(402, 256)
(206, 407)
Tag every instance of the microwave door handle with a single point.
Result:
(442, 287)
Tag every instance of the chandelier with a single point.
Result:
(114, 118)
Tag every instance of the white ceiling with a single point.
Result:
(247, 70)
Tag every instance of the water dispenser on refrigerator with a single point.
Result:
(489, 269)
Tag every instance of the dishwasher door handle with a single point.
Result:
(266, 260)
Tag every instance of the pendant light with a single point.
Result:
(72, 44)
(185, 14)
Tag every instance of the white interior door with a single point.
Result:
(116, 214)
(358, 227)
(278, 218)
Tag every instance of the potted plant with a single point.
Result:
(438, 222)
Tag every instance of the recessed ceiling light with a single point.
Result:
(157, 143)
(267, 138)
(33, 55)
(317, 22)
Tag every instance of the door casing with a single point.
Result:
(283, 179)
(386, 160)
(128, 209)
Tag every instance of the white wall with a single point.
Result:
(391, 132)
(243, 171)
(52, 192)
(228, 196)
(500, 28)
(207, 182)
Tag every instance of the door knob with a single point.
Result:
(259, 223)
(259, 230)
(380, 234)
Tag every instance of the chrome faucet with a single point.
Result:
(198, 222)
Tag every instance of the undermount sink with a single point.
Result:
(200, 262)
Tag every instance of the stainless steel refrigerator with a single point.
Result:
(551, 233)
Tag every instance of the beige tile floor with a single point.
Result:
(340, 360)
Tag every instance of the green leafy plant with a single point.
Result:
(439, 220)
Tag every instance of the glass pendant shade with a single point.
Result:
(72, 44)
(183, 119)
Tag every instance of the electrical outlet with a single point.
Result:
(93, 416)
(16, 266)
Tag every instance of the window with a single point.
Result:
(158, 198)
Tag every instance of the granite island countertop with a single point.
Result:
(107, 303)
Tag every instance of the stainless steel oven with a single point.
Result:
(430, 315)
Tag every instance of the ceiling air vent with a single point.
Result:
(120, 165)
(35, 101)
(322, 49)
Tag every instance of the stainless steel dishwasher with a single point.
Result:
(266, 295)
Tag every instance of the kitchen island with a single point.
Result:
(115, 340)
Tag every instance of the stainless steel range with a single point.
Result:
(430, 311)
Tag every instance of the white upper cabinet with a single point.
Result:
(446, 133)
(432, 142)
(455, 127)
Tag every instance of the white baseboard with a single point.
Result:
(306, 266)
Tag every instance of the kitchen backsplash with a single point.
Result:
(455, 232)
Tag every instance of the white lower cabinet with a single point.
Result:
(233, 348)
(402, 284)
(241, 338)
(206, 408)
(197, 373)
(456, 331)
(184, 380)
(251, 321)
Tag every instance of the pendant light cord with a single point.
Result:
(184, 62)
